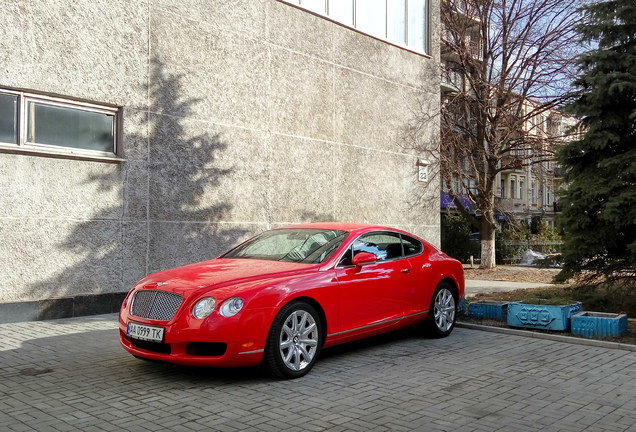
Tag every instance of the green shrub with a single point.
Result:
(456, 240)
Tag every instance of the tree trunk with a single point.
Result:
(487, 232)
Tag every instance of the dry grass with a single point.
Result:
(512, 274)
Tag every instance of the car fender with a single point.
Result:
(451, 274)
(264, 302)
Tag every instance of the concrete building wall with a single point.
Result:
(238, 116)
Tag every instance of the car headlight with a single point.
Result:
(231, 306)
(203, 307)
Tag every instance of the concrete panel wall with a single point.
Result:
(237, 116)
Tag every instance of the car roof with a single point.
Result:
(342, 226)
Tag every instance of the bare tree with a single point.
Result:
(506, 65)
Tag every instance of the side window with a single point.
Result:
(411, 246)
(385, 245)
(346, 259)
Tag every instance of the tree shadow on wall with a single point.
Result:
(312, 216)
(168, 207)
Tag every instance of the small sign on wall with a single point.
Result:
(422, 170)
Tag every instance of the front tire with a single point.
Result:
(442, 313)
(294, 341)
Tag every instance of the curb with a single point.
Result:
(549, 336)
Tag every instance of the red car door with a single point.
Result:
(375, 294)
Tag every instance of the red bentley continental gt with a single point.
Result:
(282, 296)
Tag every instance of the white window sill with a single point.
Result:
(62, 153)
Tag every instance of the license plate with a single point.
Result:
(144, 332)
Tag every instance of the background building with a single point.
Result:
(138, 135)
(529, 191)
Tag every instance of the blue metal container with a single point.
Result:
(599, 325)
(485, 309)
(543, 317)
(461, 307)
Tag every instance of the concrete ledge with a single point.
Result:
(67, 307)
(548, 336)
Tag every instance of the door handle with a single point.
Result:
(405, 271)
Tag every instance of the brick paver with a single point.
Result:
(72, 375)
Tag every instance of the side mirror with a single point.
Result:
(364, 258)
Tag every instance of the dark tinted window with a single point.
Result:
(411, 246)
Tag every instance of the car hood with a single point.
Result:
(219, 273)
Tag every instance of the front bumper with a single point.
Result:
(215, 341)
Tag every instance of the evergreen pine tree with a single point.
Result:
(599, 205)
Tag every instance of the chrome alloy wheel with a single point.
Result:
(444, 310)
(298, 340)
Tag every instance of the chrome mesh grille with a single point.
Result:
(155, 305)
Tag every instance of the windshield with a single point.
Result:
(299, 245)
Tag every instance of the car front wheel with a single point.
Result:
(442, 313)
(294, 341)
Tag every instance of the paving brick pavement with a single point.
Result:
(69, 375)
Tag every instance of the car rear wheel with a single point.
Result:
(294, 341)
(443, 311)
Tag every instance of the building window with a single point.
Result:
(533, 193)
(521, 186)
(417, 25)
(314, 5)
(341, 11)
(396, 22)
(8, 118)
(400, 22)
(36, 123)
(512, 186)
(503, 189)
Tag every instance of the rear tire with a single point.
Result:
(294, 341)
(442, 313)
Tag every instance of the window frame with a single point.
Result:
(23, 146)
(426, 52)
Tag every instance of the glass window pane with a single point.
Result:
(371, 17)
(385, 246)
(341, 11)
(70, 127)
(411, 245)
(314, 5)
(417, 30)
(8, 118)
(292, 245)
(396, 21)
